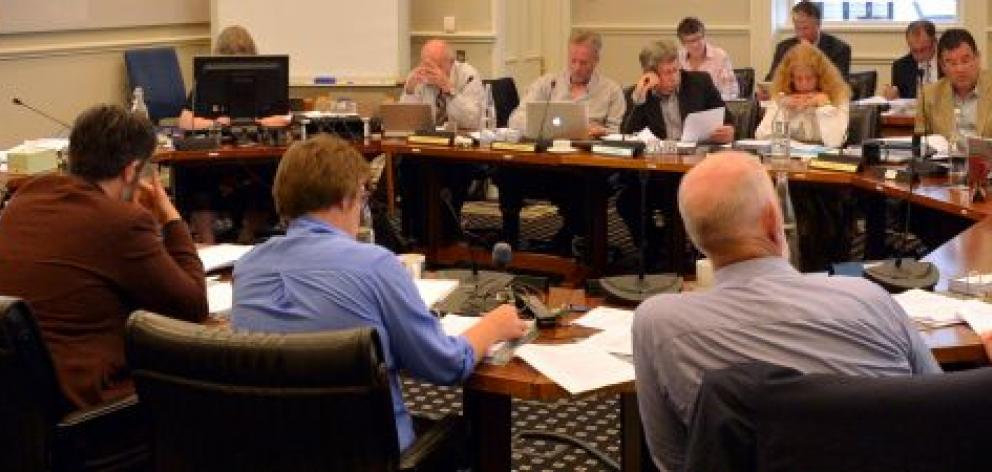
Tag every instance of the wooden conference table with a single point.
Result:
(489, 392)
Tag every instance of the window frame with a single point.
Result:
(782, 18)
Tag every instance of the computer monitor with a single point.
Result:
(241, 87)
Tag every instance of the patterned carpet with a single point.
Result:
(593, 420)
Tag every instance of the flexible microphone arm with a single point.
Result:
(914, 157)
(544, 114)
(17, 101)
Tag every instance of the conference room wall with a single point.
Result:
(474, 31)
(65, 72)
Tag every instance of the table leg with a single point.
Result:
(596, 203)
(432, 198)
(488, 416)
(873, 205)
(390, 184)
(634, 454)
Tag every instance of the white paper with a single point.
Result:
(579, 367)
(978, 315)
(221, 255)
(606, 318)
(434, 290)
(615, 341)
(931, 309)
(220, 297)
(876, 100)
(454, 325)
(699, 126)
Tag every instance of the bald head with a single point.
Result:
(438, 53)
(730, 209)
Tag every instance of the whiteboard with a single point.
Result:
(23, 16)
(356, 41)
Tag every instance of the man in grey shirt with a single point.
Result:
(760, 308)
(605, 106)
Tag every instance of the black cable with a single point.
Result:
(585, 446)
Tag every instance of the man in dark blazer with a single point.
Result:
(806, 20)
(86, 249)
(662, 99)
(921, 37)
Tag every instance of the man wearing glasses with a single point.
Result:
(965, 86)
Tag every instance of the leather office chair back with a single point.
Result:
(30, 401)
(745, 116)
(156, 71)
(865, 122)
(863, 84)
(506, 98)
(235, 401)
(745, 82)
(769, 418)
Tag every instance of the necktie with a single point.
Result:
(440, 109)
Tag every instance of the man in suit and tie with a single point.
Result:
(806, 20)
(921, 37)
(965, 86)
(663, 97)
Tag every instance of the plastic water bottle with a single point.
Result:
(781, 135)
(487, 122)
(138, 102)
(957, 174)
(788, 217)
(365, 232)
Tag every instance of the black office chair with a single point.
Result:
(761, 417)
(157, 72)
(863, 84)
(38, 428)
(505, 97)
(745, 116)
(264, 402)
(865, 123)
(745, 82)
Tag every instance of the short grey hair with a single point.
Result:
(730, 215)
(658, 52)
(587, 37)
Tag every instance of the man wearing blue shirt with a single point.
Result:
(318, 277)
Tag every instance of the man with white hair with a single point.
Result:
(760, 309)
(456, 95)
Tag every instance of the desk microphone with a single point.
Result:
(502, 255)
(18, 102)
(544, 117)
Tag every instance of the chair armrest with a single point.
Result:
(113, 434)
(437, 448)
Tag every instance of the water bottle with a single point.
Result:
(487, 122)
(781, 135)
(365, 232)
(957, 175)
(138, 106)
(788, 217)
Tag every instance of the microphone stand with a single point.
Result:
(905, 273)
(637, 288)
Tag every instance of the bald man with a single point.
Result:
(760, 309)
(456, 95)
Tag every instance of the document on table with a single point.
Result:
(578, 367)
(615, 325)
(700, 125)
(434, 290)
(931, 309)
(978, 315)
(221, 256)
(454, 325)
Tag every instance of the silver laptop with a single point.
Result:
(403, 119)
(561, 120)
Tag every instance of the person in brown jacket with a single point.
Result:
(84, 254)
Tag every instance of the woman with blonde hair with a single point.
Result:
(813, 95)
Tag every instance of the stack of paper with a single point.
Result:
(615, 324)
(221, 256)
(931, 309)
(578, 368)
(978, 315)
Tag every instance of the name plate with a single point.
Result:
(517, 147)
